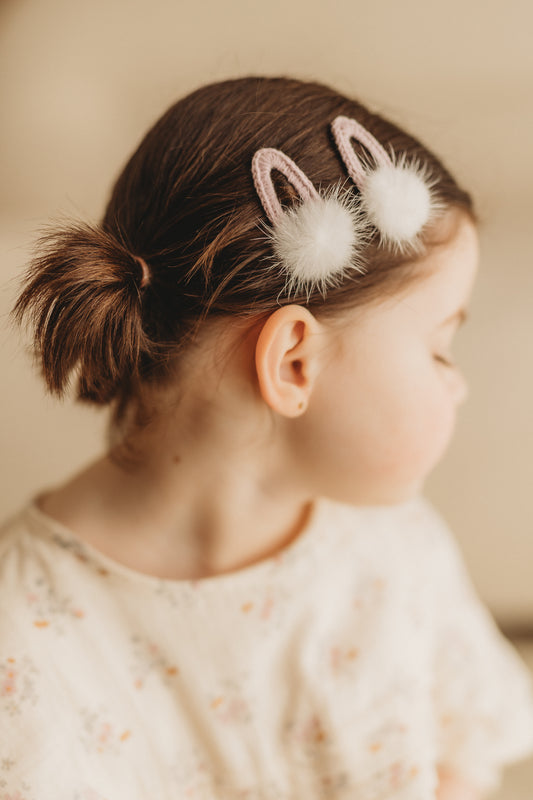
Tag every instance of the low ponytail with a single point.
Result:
(83, 294)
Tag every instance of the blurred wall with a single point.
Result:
(80, 83)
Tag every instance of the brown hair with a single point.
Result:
(185, 203)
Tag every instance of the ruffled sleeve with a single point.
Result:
(482, 691)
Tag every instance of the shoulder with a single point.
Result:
(415, 513)
(411, 526)
(31, 570)
(15, 537)
(400, 546)
(22, 568)
(31, 653)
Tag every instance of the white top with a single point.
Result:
(348, 666)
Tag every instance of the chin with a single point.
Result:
(382, 496)
(376, 493)
(399, 494)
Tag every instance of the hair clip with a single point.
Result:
(317, 239)
(396, 194)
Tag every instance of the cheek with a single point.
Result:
(385, 428)
(415, 423)
(372, 433)
(422, 438)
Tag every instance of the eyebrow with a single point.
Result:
(461, 315)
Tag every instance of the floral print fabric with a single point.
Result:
(348, 666)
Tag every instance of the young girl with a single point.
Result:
(247, 596)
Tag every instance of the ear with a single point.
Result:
(286, 359)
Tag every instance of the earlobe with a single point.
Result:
(285, 359)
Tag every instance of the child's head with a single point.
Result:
(174, 283)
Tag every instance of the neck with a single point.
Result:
(208, 495)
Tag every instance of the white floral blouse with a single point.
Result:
(348, 666)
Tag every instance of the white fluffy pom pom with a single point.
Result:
(398, 201)
(319, 239)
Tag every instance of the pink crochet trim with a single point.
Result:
(344, 129)
(264, 161)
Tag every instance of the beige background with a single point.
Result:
(79, 84)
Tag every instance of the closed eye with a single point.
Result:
(445, 361)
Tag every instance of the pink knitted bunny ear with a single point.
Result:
(316, 240)
(263, 162)
(396, 195)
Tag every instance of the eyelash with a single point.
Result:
(445, 362)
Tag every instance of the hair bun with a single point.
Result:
(81, 294)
